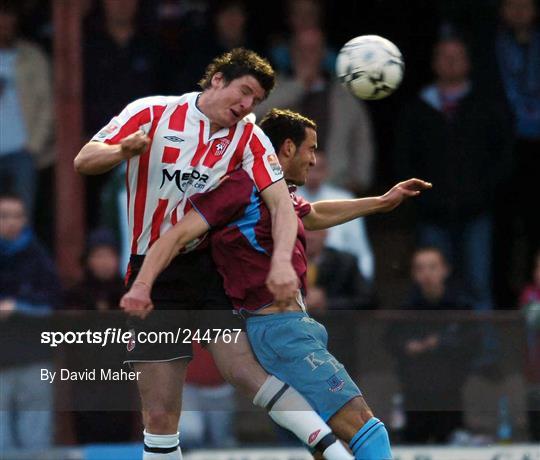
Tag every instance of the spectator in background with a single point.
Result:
(102, 286)
(25, 109)
(344, 124)
(530, 303)
(207, 405)
(517, 47)
(118, 48)
(461, 140)
(101, 409)
(350, 237)
(335, 291)
(301, 15)
(333, 278)
(228, 29)
(433, 357)
(29, 290)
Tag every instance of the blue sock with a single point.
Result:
(371, 442)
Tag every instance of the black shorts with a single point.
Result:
(190, 305)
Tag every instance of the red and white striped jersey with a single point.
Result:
(182, 160)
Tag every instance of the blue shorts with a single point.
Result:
(293, 347)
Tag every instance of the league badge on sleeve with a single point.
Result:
(273, 162)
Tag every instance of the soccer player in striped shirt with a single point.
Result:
(288, 343)
(175, 147)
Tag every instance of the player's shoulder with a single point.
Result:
(153, 101)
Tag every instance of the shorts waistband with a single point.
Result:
(258, 318)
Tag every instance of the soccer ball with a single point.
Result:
(370, 67)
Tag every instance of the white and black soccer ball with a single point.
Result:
(370, 67)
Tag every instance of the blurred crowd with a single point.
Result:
(467, 118)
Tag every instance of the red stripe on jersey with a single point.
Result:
(127, 188)
(239, 152)
(260, 174)
(170, 155)
(201, 148)
(219, 146)
(177, 121)
(174, 216)
(142, 182)
(132, 125)
(157, 220)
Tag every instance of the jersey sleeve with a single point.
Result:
(135, 116)
(302, 207)
(225, 203)
(260, 160)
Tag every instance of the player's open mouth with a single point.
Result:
(235, 114)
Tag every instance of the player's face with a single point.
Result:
(234, 100)
(303, 159)
(12, 219)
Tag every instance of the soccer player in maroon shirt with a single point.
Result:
(240, 227)
(175, 147)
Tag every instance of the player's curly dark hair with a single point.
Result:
(238, 63)
(282, 124)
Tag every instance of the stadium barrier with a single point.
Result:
(134, 451)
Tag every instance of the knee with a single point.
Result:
(161, 421)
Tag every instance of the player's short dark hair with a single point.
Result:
(238, 63)
(282, 124)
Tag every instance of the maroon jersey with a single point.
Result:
(241, 238)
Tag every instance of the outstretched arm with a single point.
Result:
(137, 300)
(326, 214)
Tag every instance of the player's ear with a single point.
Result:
(288, 148)
(217, 80)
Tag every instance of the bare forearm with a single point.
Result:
(284, 230)
(326, 214)
(98, 158)
(167, 247)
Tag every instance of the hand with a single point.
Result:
(134, 144)
(432, 341)
(7, 307)
(414, 347)
(282, 282)
(400, 192)
(137, 302)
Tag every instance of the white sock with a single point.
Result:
(161, 447)
(289, 409)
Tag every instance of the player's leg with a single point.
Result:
(366, 434)
(297, 354)
(160, 387)
(284, 404)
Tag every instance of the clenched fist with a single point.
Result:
(136, 301)
(134, 144)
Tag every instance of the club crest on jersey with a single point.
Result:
(220, 147)
(273, 162)
(336, 383)
(131, 342)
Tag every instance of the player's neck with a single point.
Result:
(452, 86)
(203, 104)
